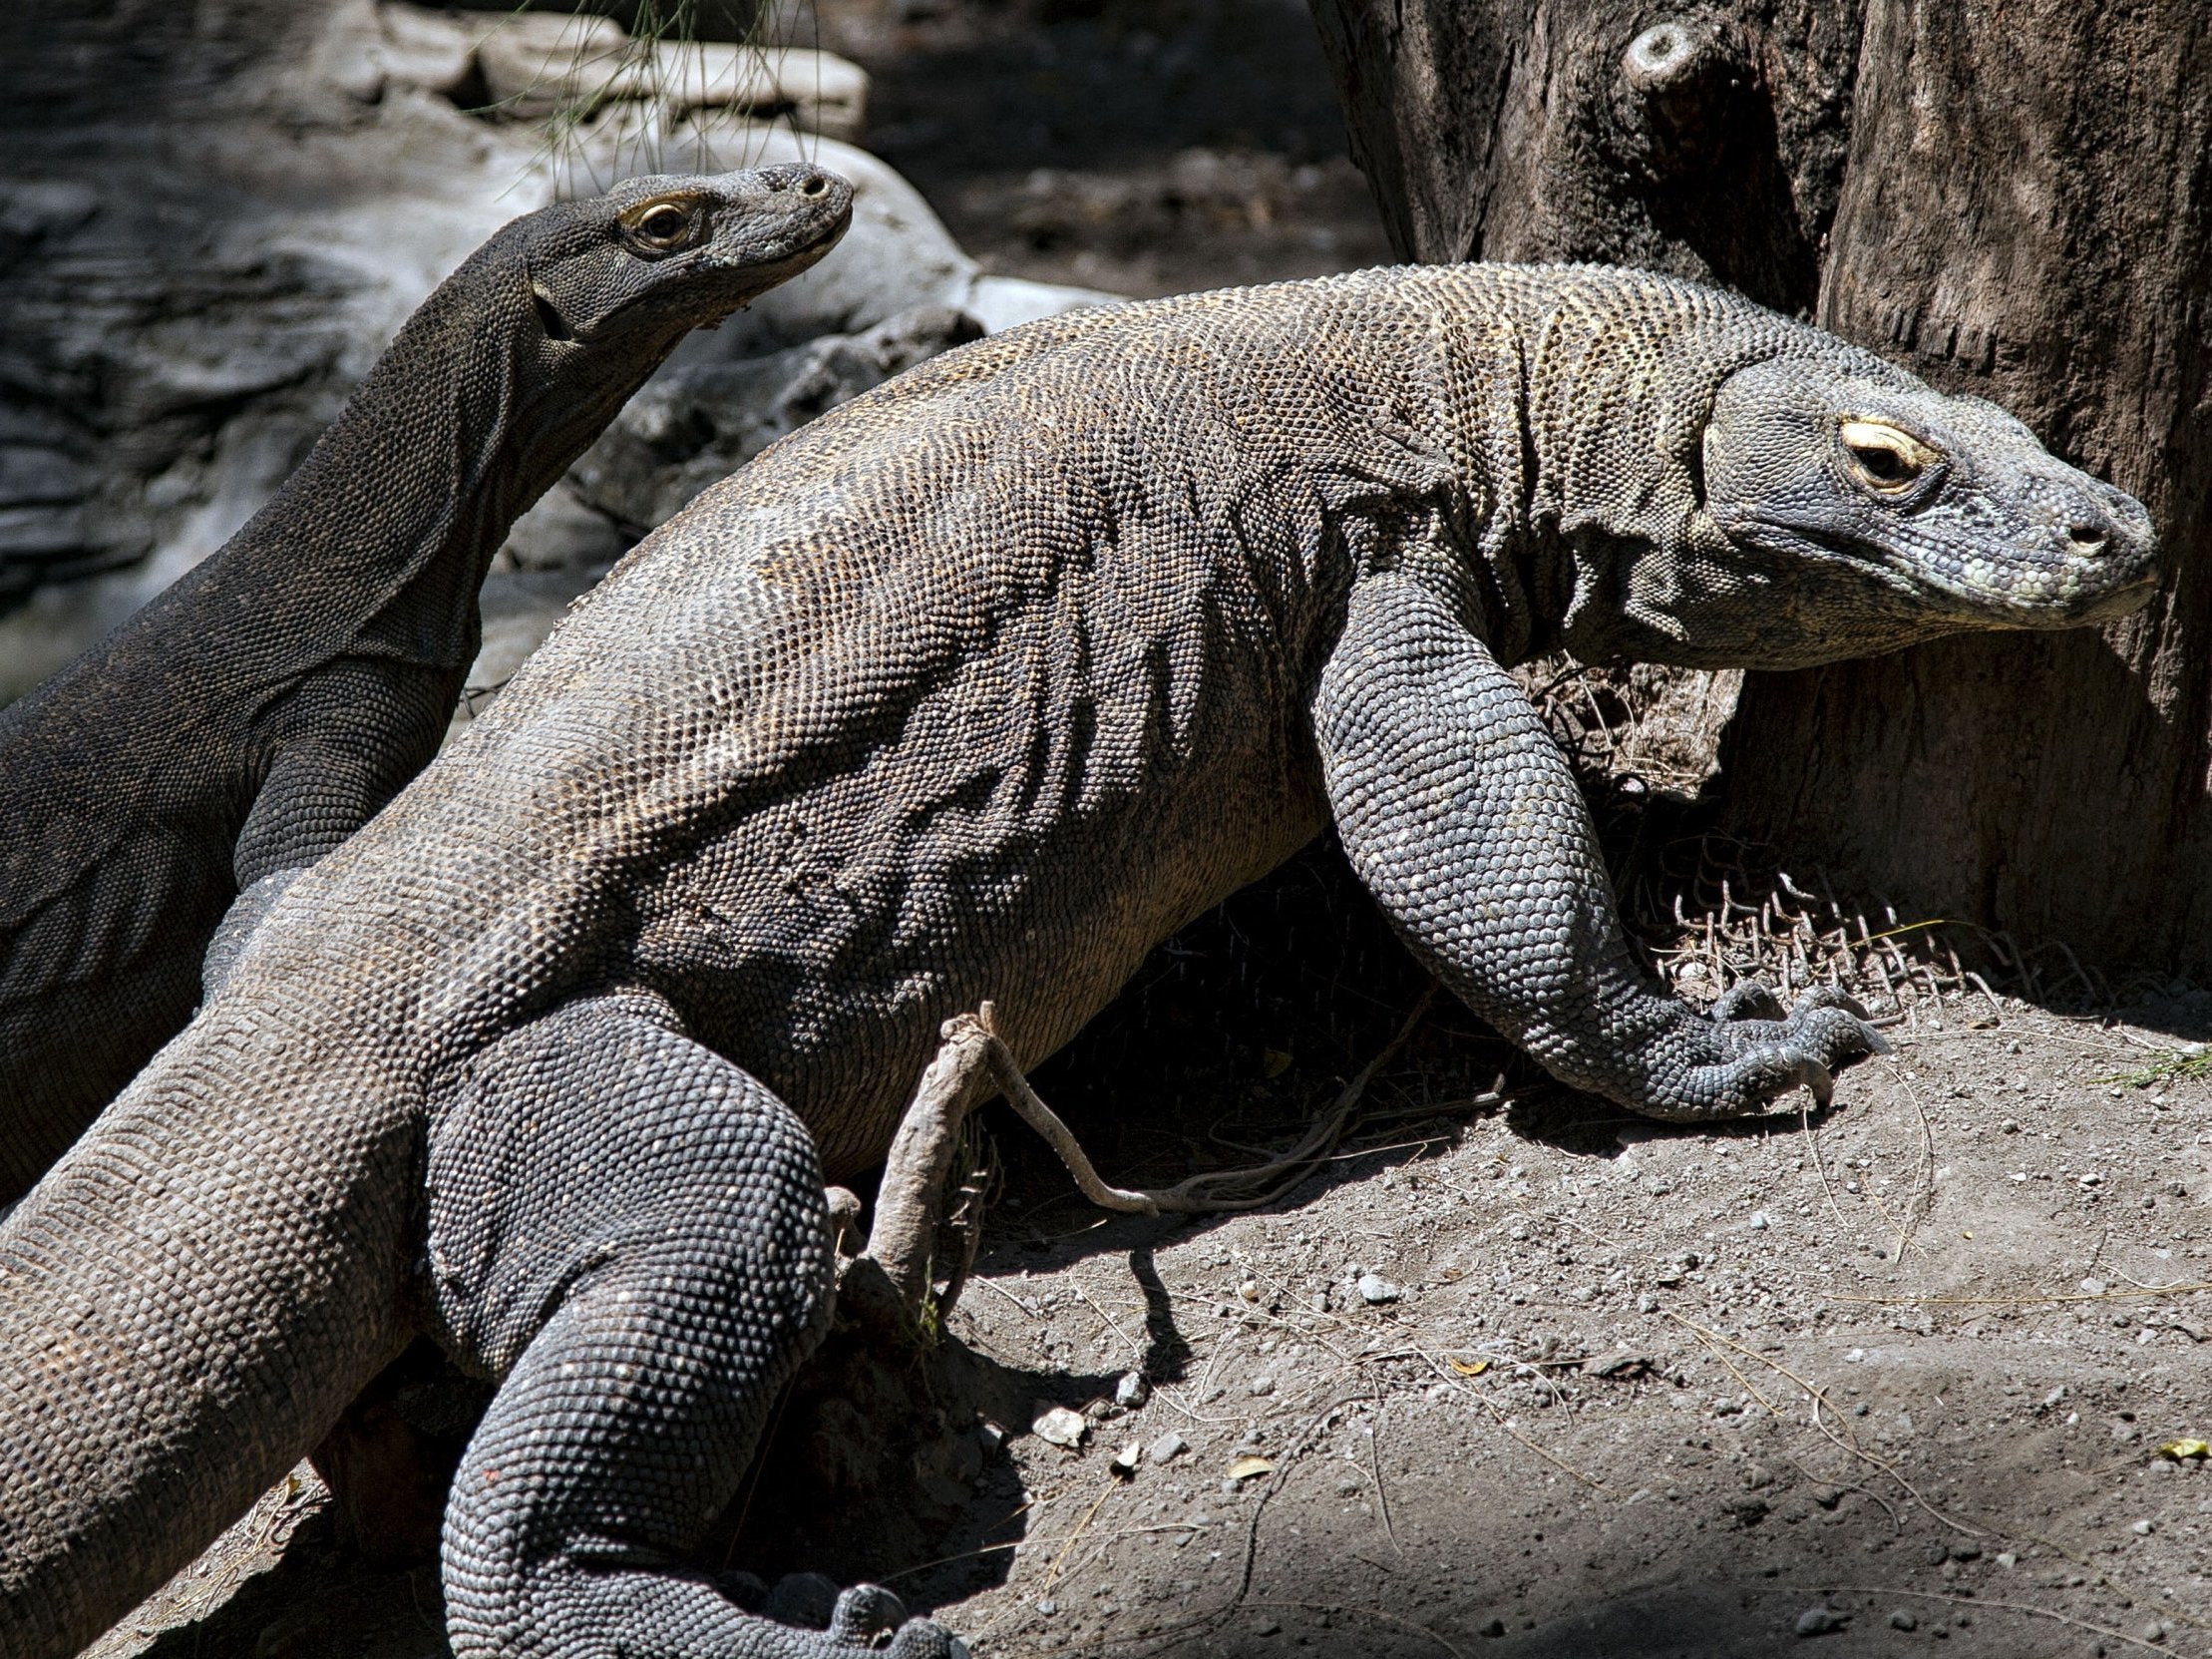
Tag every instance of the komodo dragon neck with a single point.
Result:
(271, 701)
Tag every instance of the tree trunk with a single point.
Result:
(2012, 201)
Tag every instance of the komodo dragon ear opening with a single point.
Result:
(556, 325)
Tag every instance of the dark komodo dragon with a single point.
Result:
(268, 704)
(977, 687)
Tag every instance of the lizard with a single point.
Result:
(268, 702)
(977, 686)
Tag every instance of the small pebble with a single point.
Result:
(2007, 1559)
(1375, 1290)
(1820, 1622)
(2144, 1528)
(1759, 1222)
(1250, 1290)
(1060, 1426)
(1132, 1390)
(1166, 1447)
(1496, 1627)
(1263, 1386)
(1902, 1620)
(1048, 1607)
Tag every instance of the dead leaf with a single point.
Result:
(1273, 1062)
(1465, 1369)
(1247, 1468)
(2182, 1450)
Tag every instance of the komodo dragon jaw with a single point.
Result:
(267, 704)
(975, 688)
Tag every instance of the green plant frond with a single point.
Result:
(2179, 1066)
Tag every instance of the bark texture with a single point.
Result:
(2012, 201)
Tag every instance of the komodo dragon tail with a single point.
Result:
(201, 1286)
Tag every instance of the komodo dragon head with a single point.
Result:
(617, 280)
(1829, 504)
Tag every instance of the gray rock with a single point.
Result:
(1376, 1291)
(1059, 1425)
(1821, 1621)
(1166, 1447)
(1132, 1390)
(1902, 1620)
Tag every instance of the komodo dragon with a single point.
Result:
(979, 686)
(268, 704)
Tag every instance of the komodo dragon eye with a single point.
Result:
(659, 226)
(1886, 459)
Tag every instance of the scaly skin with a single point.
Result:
(267, 704)
(977, 687)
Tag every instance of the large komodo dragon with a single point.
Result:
(268, 704)
(977, 687)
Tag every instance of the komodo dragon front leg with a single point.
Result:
(632, 1234)
(1460, 815)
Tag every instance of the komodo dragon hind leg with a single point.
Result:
(631, 1233)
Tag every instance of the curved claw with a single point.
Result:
(1817, 1077)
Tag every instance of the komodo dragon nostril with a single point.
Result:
(814, 184)
(2086, 535)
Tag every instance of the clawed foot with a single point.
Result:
(866, 1618)
(1765, 1051)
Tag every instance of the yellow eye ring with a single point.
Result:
(660, 226)
(1883, 458)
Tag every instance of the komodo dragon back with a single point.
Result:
(266, 706)
(977, 688)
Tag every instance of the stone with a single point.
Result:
(1059, 1425)
(1132, 1390)
(1902, 1620)
(1820, 1620)
(1376, 1291)
(1166, 1447)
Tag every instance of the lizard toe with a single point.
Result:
(1748, 1000)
